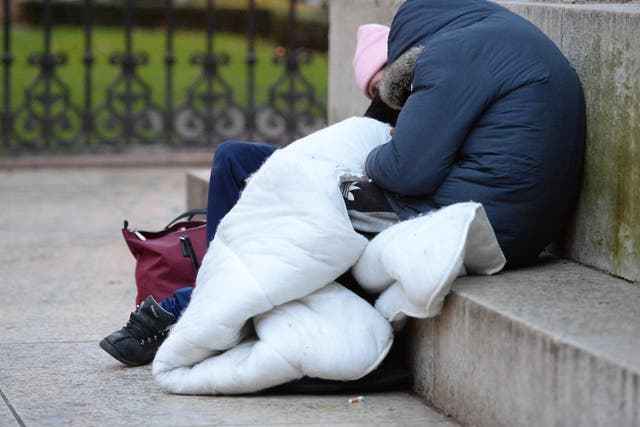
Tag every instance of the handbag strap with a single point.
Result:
(188, 214)
(189, 252)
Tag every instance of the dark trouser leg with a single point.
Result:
(178, 302)
(233, 163)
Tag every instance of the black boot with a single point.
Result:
(137, 343)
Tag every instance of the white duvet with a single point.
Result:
(266, 309)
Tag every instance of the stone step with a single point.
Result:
(555, 344)
(197, 190)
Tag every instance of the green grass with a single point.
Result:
(106, 40)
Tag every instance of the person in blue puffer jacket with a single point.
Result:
(490, 111)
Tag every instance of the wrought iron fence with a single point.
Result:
(48, 120)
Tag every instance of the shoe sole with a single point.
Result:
(106, 346)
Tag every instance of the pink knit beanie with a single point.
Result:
(371, 53)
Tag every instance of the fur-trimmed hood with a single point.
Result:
(395, 87)
(415, 24)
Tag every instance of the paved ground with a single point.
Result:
(66, 281)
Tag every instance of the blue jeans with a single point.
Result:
(233, 163)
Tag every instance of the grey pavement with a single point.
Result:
(67, 280)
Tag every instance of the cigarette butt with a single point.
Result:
(356, 399)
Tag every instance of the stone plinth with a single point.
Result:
(603, 43)
(345, 99)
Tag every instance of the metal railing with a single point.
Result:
(49, 121)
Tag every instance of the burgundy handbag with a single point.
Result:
(169, 259)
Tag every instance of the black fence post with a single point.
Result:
(87, 59)
(211, 70)
(129, 66)
(291, 67)
(48, 66)
(251, 65)
(169, 60)
(7, 59)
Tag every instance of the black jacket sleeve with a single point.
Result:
(382, 112)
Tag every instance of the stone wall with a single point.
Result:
(345, 99)
(602, 41)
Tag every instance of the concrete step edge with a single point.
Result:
(561, 340)
(557, 344)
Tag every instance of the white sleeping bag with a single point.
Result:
(413, 264)
(265, 309)
(288, 236)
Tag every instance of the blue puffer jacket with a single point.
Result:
(495, 115)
